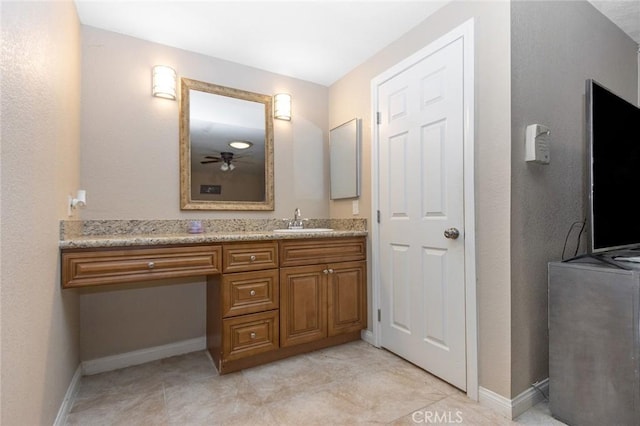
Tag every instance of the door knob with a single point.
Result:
(451, 233)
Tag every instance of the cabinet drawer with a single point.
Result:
(310, 252)
(250, 257)
(249, 292)
(249, 335)
(96, 267)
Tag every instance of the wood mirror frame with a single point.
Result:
(187, 201)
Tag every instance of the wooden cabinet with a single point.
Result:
(266, 300)
(242, 257)
(249, 335)
(242, 305)
(92, 267)
(278, 299)
(249, 292)
(347, 298)
(318, 251)
(303, 298)
(318, 301)
(322, 300)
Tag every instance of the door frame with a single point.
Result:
(465, 32)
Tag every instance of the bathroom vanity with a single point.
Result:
(269, 295)
(279, 298)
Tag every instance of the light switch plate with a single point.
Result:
(355, 207)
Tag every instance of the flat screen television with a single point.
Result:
(613, 137)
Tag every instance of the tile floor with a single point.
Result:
(354, 383)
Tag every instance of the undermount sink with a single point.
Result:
(294, 231)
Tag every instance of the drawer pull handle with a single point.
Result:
(252, 292)
(252, 258)
(252, 335)
(151, 265)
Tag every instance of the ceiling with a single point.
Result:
(317, 41)
(624, 13)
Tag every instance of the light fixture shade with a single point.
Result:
(164, 82)
(282, 106)
(224, 167)
(240, 144)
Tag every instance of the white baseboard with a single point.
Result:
(67, 402)
(529, 398)
(367, 336)
(495, 401)
(512, 408)
(114, 362)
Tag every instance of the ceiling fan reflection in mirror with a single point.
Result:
(225, 158)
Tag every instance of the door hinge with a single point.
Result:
(378, 216)
(378, 118)
(379, 315)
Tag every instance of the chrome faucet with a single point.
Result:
(296, 223)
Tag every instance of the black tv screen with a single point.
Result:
(613, 133)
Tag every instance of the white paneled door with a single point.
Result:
(421, 203)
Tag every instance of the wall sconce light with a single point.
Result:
(164, 82)
(282, 106)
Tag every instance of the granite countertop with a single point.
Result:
(126, 233)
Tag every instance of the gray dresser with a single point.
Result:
(594, 344)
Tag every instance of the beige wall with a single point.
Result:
(141, 315)
(40, 140)
(556, 46)
(129, 167)
(351, 97)
(129, 153)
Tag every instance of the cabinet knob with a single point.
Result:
(252, 335)
(331, 271)
(325, 271)
(151, 265)
(252, 258)
(252, 292)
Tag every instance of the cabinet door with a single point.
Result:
(347, 300)
(303, 301)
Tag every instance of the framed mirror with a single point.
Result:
(344, 161)
(226, 148)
